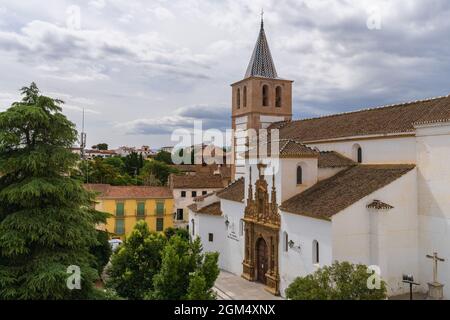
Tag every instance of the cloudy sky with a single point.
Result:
(144, 68)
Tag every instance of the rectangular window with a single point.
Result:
(183, 194)
(120, 227)
(159, 224)
(179, 214)
(120, 209)
(210, 237)
(159, 208)
(194, 194)
(204, 192)
(140, 212)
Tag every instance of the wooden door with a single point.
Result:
(262, 260)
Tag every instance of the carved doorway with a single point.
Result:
(262, 260)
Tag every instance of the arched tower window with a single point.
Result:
(238, 98)
(245, 97)
(265, 95)
(278, 97)
(315, 250)
(299, 175)
(193, 227)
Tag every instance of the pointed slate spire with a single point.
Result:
(261, 63)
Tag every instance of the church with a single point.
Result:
(369, 186)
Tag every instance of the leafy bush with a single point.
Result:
(340, 281)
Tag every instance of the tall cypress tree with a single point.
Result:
(46, 221)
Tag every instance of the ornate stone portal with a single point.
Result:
(262, 226)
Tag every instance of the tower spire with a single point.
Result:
(261, 63)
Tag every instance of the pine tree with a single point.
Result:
(46, 220)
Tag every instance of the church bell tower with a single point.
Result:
(259, 99)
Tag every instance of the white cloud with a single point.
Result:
(135, 58)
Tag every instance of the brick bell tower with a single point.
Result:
(259, 99)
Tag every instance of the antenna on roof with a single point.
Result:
(82, 138)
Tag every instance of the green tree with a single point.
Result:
(101, 251)
(157, 169)
(170, 232)
(101, 146)
(164, 156)
(46, 220)
(133, 164)
(135, 263)
(198, 289)
(116, 162)
(340, 281)
(186, 273)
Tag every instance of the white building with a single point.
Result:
(187, 187)
(370, 186)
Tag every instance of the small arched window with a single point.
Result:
(238, 98)
(278, 97)
(265, 95)
(315, 250)
(359, 155)
(245, 96)
(193, 227)
(299, 175)
(285, 241)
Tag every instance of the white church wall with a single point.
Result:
(433, 160)
(302, 231)
(232, 253)
(388, 239)
(288, 169)
(201, 225)
(388, 150)
(325, 173)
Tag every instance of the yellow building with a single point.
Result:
(129, 204)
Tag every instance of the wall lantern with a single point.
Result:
(292, 245)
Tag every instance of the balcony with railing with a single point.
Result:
(160, 212)
(140, 213)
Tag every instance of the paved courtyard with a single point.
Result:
(232, 287)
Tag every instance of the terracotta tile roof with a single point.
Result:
(391, 119)
(334, 194)
(379, 205)
(234, 191)
(212, 209)
(196, 181)
(99, 188)
(288, 148)
(130, 192)
(333, 159)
